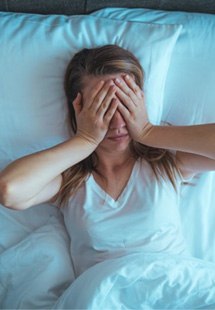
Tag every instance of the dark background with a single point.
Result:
(70, 7)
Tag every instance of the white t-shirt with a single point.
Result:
(145, 218)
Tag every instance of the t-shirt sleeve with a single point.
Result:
(179, 175)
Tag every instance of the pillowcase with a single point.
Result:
(36, 270)
(189, 91)
(35, 51)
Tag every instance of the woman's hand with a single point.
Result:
(132, 107)
(94, 115)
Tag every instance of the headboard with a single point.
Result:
(75, 7)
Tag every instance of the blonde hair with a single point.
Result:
(99, 61)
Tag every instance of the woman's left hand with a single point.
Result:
(132, 107)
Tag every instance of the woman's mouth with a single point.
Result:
(118, 138)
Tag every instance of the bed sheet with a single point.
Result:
(188, 99)
(141, 281)
(190, 94)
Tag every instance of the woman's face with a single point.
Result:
(117, 137)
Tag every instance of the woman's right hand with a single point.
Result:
(94, 115)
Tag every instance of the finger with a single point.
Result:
(124, 111)
(107, 101)
(126, 89)
(101, 96)
(112, 109)
(127, 101)
(131, 83)
(94, 93)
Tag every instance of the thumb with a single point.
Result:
(77, 103)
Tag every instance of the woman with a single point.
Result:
(116, 179)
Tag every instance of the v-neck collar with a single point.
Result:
(125, 192)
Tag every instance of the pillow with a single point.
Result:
(189, 91)
(36, 270)
(35, 51)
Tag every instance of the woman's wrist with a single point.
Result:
(85, 142)
(146, 137)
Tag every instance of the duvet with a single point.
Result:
(143, 281)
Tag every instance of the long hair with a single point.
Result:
(100, 61)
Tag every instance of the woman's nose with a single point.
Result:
(117, 121)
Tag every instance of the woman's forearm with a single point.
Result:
(197, 139)
(27, 176)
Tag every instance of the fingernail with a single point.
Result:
(127, 77)
(118, 80)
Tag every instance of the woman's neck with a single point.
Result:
(111, 164)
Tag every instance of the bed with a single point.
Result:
(175, 43)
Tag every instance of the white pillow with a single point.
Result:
(36, 270)
(189, 92)
(35, 51)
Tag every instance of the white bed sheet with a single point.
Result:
(190, 94)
